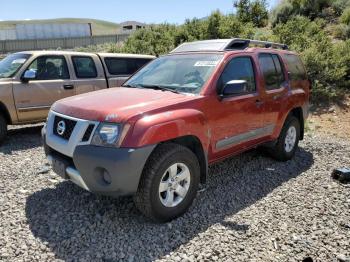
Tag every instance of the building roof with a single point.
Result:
(132, 23)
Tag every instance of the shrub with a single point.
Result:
(156, 40)
(107, 47)
(345, 17)
(312, 9)
(282, 13)
(299, 33)
(338, 31)
(191, 30)
(327, 61)
(339, 6)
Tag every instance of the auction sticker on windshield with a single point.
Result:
(206, 63)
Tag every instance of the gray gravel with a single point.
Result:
(254, 209)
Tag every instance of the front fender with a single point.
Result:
(7, 103)
(165, 126)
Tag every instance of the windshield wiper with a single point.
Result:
(159, 87)
(129, 86)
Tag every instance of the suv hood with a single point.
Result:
(117, 104)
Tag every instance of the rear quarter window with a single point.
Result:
(295, 67)
(84, 67)
(124, 66)
(272, 70)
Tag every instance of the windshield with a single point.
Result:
(180, 73)
(10, 65)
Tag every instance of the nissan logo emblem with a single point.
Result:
(61, 127)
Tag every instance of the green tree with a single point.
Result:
(156, 40)
(213, 31)
(191, 30)
(252, 11)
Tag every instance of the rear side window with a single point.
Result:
(240, 68)
(295, 67)
(279, 69)
(50, 68)
(84, 67)
(272, 70)
(124, 66)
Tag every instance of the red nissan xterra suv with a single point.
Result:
(155, 136)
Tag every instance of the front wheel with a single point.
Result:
(169, 183)
(3, 128)
(288, 140)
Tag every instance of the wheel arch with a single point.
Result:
(298, 113)
(5, 113)
(194, 144)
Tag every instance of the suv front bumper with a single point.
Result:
(101, 170)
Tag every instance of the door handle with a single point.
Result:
(68, 87)
(259, 103)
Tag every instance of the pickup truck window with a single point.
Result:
(240, 68)
(295, 67)
(272, 70)
(124, 66)
(181, 73)
(50, 68)
(84, 67)
(10, 65)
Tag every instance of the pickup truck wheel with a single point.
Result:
(169, 183)
(288, 140)
(3, 128)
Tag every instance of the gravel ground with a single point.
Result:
(254, 209)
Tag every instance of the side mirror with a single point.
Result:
(234, 87)
(29, 75)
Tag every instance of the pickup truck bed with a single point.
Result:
(31, 81)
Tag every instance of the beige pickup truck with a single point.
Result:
(30, 82)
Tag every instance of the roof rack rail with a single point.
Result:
(238, 43)
(225, 44)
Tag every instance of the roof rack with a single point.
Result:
(225, 44)
(238, 43)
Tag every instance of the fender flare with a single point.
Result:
(165, 126)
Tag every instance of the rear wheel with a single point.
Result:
(3, 128)
(169, 183)
(288, 140)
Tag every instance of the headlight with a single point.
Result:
(106, 135)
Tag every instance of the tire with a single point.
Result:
(154, 200)
(288, 140)
(3, 128)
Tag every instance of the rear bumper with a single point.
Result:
(91, 165)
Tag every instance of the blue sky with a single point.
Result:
(149, 11)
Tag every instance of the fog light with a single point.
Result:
(107, 177)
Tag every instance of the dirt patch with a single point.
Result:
(333, 121)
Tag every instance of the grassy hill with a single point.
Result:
(99, 27)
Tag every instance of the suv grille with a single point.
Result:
(63, 127)
(88, 133)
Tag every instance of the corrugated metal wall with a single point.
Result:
(8, 34)
(49, 31)
(63, 43)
